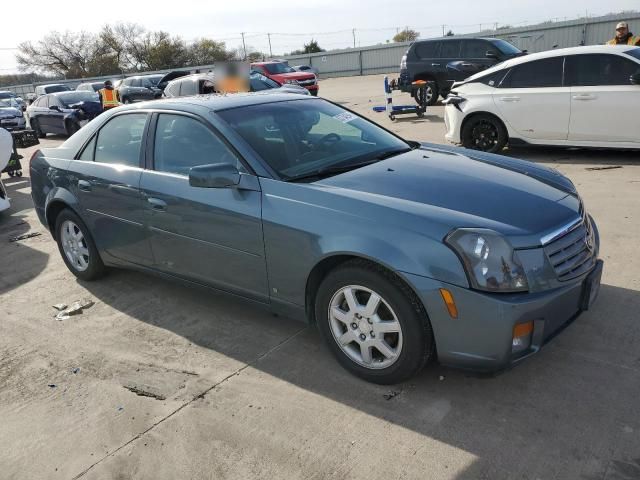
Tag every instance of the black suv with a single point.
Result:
(443, 61)
(139, 88)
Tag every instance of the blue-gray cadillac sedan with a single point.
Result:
(399, 252)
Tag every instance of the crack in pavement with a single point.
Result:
(196, 397)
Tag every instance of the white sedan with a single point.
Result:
(582, 96)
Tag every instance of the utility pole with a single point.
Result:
(443, 30)
(269, 37)
(244, 47)
(354, 37)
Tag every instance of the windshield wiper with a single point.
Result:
(335, 169)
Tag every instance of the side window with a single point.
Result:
(120, 139)
(493, 79)
(450, 49)
(426, 50)
(599, 69)
(188, 87)
(54, 101)
(541, 73)
(87, 153)
(476, 49)
(44, 102)
(183, 142)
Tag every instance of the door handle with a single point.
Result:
(584, 96)
(466, 65)
(510, 99)
(157, 204)
(84, 185)
(435, 64)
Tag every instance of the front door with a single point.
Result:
(604, 103)
(208, 235)
(533, 100)
(105, 178)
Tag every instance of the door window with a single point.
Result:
(188, 87)
(538, 74)
(427, 50)
(476, 49)
(599, 69)
(120, 139)
(450, 49)
(183, 142)
(87, 153)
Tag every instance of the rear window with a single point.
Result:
(57, 88)
(427, 49)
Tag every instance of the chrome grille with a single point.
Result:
(574, 253)
(306, 83)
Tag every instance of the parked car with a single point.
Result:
(90, 86)
(583, 96)
(443, 61)
(14, 99)
(11, 115)
(284, 74)
(6, 149)
(63, 112)
(305, 68)
(51, 88)
(205, 83)
(139, 88)
(399, 252)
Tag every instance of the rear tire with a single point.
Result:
(431, 90)
(386, 344)
(72, 127)
(485, 133)
(35, 126)
(77, 247)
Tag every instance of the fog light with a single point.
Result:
(521, 337)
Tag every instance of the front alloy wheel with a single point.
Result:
(365, 327)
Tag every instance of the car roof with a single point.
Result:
(217, 102)
(268, 62)
(52, 85)
(570, 51)
(144, 76)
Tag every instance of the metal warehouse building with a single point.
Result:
(535, 38)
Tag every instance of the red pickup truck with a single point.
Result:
(283, 73)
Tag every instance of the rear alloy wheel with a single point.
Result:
(431, 92)
(485, 133)
(373, 323)
(77, 247)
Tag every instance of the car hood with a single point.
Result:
(454, 190)
(295, 76)
(9, 112)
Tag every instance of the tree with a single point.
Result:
(206, 52)
(406, 35)
(311, 47)
(450, 33)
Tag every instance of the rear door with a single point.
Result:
(106, 179)
(212, 236)
(604, 103)
(533, 101)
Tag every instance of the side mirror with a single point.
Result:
(635, 79)
(217, 175)
(54, 107)
(491, 54)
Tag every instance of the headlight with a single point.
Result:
(292, 82)
(489, 259)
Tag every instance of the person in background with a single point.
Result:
(624, 36)
(108, 96)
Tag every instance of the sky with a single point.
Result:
(330, 22)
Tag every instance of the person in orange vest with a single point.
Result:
(624, 36)
(108, 96)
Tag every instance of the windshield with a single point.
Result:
(277, 68)
(77, 97)
(634, 52)
(506, 47)
(4, 104)
(260, 82)
(302, 137)
(56, 88)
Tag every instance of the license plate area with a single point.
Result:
(591, 287)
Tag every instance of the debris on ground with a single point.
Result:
(24, 237)
(144, 391)
(75, 370)
(392, 394)
(76, 308)
(120, 408)
(51, 385)
(607, 167)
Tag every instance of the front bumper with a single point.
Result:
(453, 124)
(480, 339)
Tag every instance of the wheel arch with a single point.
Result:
(58, 200)
(475, 114)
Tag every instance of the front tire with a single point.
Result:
(373, 323)
(35, 126)
(485, 133)
(77, 247)
(72, 127)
